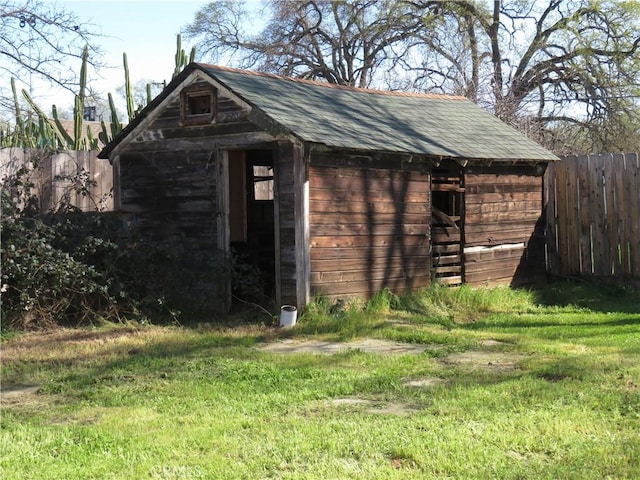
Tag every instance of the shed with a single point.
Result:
(335, 190)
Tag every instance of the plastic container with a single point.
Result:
(288, 315)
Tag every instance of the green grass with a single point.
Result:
(560, 398)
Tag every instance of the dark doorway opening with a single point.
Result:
(251, 213)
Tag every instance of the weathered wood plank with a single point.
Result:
(449, 236)
(585, 201)
(446, 259)
(370, 218)
(349, 276)
(633, 177)
(371, 287)
(551, 215)
(445, 249)
(596, 213)
(379, 207)
(503, 188)
(620, 214)
(610, 221)
(506, 216)
(482, 208)
(381, 162)
(394, 187)
(452, 280)
(371, 263)
(498, 234)
(368, 241)
(338, 196)
(369, 230)
(397, 249)
(484, 198)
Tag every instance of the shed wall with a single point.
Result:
(503, 226)
(167, 172)
(369, 229)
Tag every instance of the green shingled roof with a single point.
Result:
(380, 121)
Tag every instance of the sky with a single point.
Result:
(145, 29)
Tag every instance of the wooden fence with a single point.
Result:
(593, 215)
(78, 178)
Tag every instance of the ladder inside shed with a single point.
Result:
(447, 192)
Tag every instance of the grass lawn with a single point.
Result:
(508, 384)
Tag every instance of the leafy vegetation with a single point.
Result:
(535, 385)
(68, 267)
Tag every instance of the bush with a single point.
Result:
(72, 268)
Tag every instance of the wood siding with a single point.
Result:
(503, 226)
(369, 229)
(285, 217)
(170, 196)
(168, 171)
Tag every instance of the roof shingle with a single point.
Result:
(362, 119)
(347, 117)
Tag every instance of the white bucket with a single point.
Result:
(288, 314)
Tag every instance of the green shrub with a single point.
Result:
(71, 268)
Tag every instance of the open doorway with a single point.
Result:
(251, 212)
(447, 191)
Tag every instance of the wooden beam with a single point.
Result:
(301, 195)
(222, 214)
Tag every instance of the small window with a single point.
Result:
(262, 182)
(197, 106)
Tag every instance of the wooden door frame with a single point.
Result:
(222, 217)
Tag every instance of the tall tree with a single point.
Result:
(343, 42)
(538, 65)
(37, 39)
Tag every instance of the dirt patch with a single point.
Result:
(368, 345)
(493, 361)
(22, 396)
(17, 391)
(425, 382)
(374, 406)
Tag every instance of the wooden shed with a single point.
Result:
(335, 190)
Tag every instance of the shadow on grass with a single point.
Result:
(595, 297)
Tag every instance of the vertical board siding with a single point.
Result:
(593, 215)
(503, 226)
(77, 178)
(286, 205)
(369, 230)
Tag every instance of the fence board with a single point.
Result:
(619, 212)
(633, 172)
(53, 179)
(599, 250)
(549, 206)
(610, 217)
(583, 220)
(593, 215)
